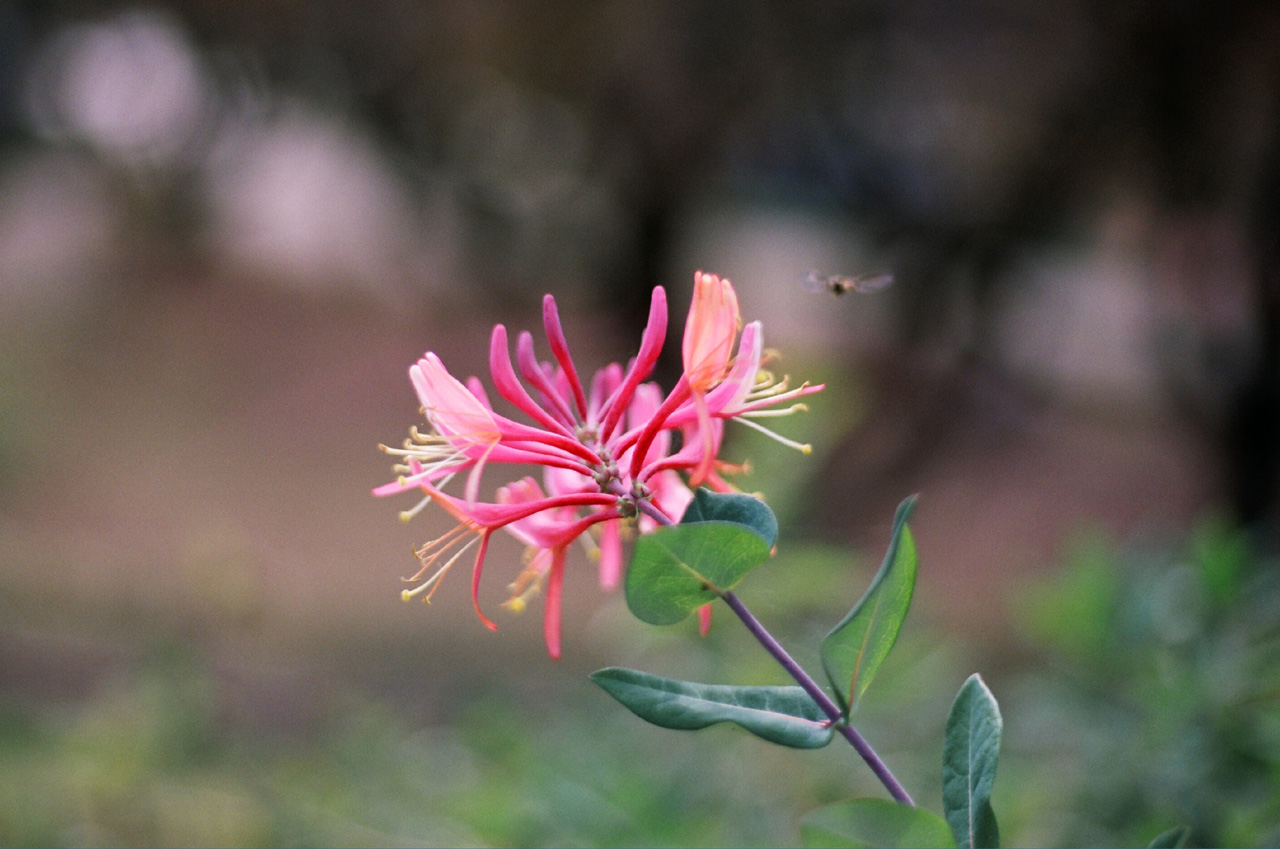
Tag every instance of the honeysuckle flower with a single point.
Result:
(607, 450)
(709, 332)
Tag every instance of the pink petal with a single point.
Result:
(726, 398)
(551, 612)
(707, 441)
(450, 406)
(610, 556)
(646, 437)
(709, 331)
(560, 350)
(493, 516)
(533, 372)
(603, 385)
(510, 388)
(655, 333)
(746, 366)
(475, 582)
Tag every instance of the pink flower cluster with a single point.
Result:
(609, 458)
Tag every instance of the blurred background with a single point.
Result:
(227, 228)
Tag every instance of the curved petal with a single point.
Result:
(509, 386)
(551, 610)
(709, 331)
(475, 582)
(560, 350)
(641, 367)
(451, 408)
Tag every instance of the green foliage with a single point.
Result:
(856, 647)
(166, 756)
(1159, 706)
(874, 822)
(970, 751)
(1223, 558)
(675, 570)
(783, 715)
(708, 506)
(1075, 613)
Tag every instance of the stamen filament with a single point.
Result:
(768, 414)
(803, 448)
(406, 515)
(443, 543)
(432, 583)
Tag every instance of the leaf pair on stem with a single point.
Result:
(679, 569)
(721, 538)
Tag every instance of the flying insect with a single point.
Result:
(838, 284)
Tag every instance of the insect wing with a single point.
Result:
(866, 285)
(815, 282)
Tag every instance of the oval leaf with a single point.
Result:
(969, 766)
(856, 647)
(874, 822)
(679, 568)
(783, 715)
(708, 506)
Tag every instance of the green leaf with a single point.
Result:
(708, 506)
(677, 569)
(1174, 838)
(783, 715)
(874, 822)
(856, 647)
(969, 766)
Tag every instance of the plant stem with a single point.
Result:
(647, 507)
(797, 672)
(816, 693)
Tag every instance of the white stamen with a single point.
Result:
(768, 414)
(406, 515)
(790, 443)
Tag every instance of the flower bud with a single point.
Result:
(710, 331)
